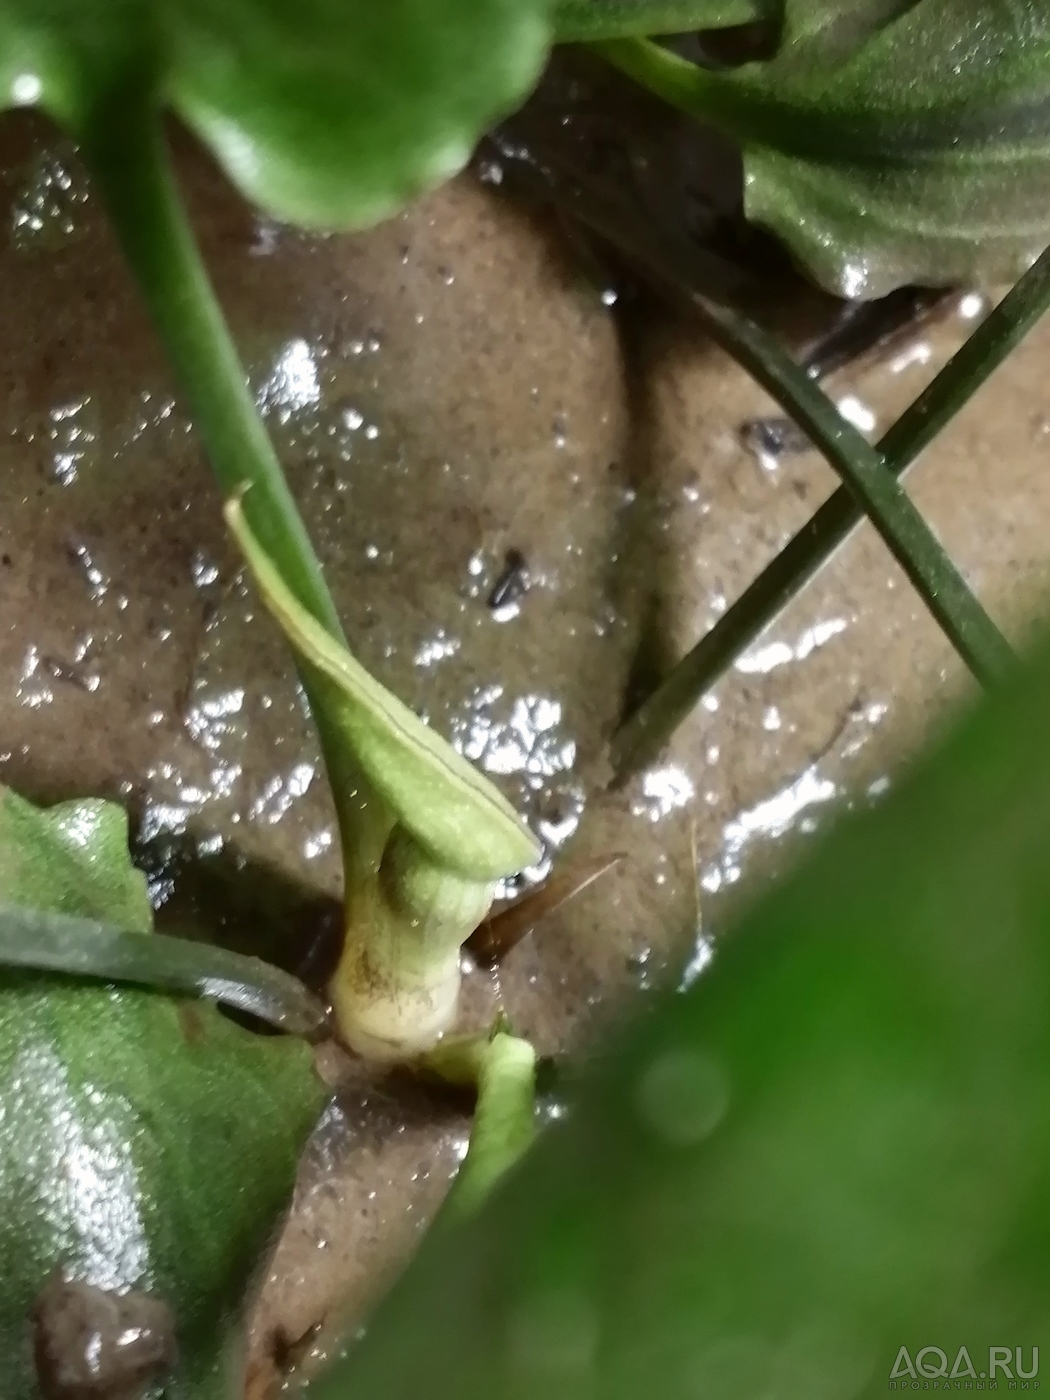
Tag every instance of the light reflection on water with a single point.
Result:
(663, 791)
(293, 383)
(769, 819)
(760, 660)
(514, 735)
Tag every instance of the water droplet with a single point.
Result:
(209, 719)
(44, 213)
(32, 690)
(205, 573)
(437, 648)
(853, 281)
(72, 438)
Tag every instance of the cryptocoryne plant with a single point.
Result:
(333, 116)
(886, 141)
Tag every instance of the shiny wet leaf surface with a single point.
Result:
(148, 1143)
(892, 143)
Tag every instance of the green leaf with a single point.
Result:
(644, 733)
(502, 1068)
(327, 113)
(442, 800)
(895, 141)
(72, 859)
(148, 1143)
(579, 20)
(835, 1144)
(79, 947)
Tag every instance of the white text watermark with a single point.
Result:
(935, 1368)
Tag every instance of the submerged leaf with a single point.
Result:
(502, 1068)
(52, 942)
(71, 859)
(327, 114)
(894, 141)
(834, 1145)
(579, 20)
(910, 141)
(435, 794)
(148, 1143)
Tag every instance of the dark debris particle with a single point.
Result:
(774, 438)
(513, 582)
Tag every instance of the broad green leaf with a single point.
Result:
(911, 141)
(326, 112)
(897, 141)
(435, 794)
(148, 1143)
(72, 859)
(579, 20)
(835, 1144)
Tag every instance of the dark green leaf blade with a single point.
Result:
(643, 735)
(51, 942)
(905, 142)
(889, 142)
(147, 1143)
(837, 1143)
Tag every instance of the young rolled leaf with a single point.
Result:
(502, 1068)
(889, 141)
(420, 868)
(326, 114)
(149, 1144)
(836, 1144)
(465, 824)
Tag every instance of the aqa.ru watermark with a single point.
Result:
(931, 1368)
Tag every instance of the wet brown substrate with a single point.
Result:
(449, 392)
